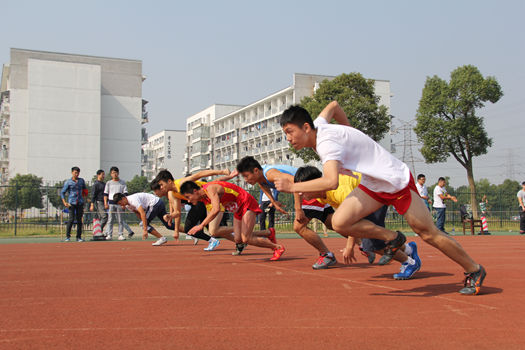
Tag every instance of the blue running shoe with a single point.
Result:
(213, 244)
(407, 271)
(414, 254)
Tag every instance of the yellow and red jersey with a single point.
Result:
(234, 199)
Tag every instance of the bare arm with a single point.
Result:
(142, 214)
(175, 206)
(329, 181)
(521, 203)
(269, 194)
(348, 252)
(204, 173)
(228, 177)
(214, 192)
(334, 111)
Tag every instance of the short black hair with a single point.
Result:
(307, 173)
(442, 179)
(164, 175)
(75, 168)
(114, 168)
(523, 183)
(100, 171)
(117, 197)
(420, 176)
(189, 187)
(296, 115)
(248, 163)
(154, 185)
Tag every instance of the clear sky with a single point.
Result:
(196, 53)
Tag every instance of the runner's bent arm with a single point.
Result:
(334, 111)
(266, 190)
(329, 181)
(204, 173)
(214, 192)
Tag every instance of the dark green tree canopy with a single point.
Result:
(138, 184)
(53, 194)
(356, 95)
(447, 123)
(24, 192)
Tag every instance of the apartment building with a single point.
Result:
(164, 150)
(60, 110)
(254, 129)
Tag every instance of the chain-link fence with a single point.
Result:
(30, 211)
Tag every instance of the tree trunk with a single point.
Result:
(472, 185)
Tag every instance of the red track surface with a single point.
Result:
(131, 295)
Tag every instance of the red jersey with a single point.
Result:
(234, 199)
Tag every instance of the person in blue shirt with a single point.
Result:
(265, 175)
(76, 191)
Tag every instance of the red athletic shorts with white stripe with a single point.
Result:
(400, 200)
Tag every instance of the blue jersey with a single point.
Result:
(286, 169)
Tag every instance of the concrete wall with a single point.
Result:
(120, 134)
(63, 118)
(69, 110)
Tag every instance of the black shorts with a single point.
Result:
(378, 218)
(319, 214)
(372, 245)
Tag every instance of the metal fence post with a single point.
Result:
(16, 205)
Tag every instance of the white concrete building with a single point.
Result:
(199, 148)
(72, 110)
(164, 150)
(254, 129)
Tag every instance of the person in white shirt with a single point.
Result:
(440, 195)
(422, 189)
(385, 181)
(146, 206)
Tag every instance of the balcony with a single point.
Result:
(4, 155)
(144, 119)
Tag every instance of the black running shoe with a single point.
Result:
(392, 247)
(239, 248)
(473, 281)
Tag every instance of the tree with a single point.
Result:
(53, 194)
(138, 184)
(356, 95)
(24, 192)
(447, 123)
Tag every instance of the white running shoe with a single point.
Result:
(109, 238)
(162, 240)
(213, 244)
(195, 240)
(121, 238)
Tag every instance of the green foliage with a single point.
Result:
(24, 192)
(53, 194)
(356, 95)
(138, 184)
(447, 123)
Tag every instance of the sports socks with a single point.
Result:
(408, 249)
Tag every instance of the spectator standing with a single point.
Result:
(440, 196)
(521, 200)
(76, 191)
(422, 189)
(97, 199)
(267, 209)
(114, 186)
